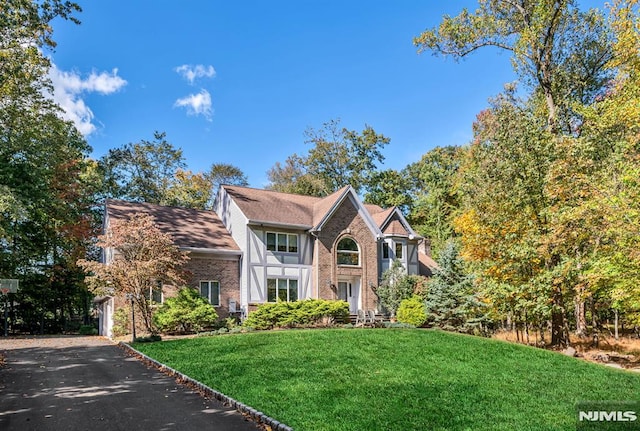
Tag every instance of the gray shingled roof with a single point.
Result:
(189, 228)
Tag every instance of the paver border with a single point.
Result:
(205, 390)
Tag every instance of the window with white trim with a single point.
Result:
(211, 291)
(385, 250)
(348, 252)
(399, 250)
(282, 289)
(154, 294)
(282, 242)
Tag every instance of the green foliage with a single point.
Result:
(45, 200)
(310, 312)
(186, 312)
(224, 173)
(412, 311)
(121, 322)
(88, 330)
(436, 197)
(339, 157)
(558, 50)
(396, 286)
(148, 339)
(142, 171)
(390, 188)
(451, 303)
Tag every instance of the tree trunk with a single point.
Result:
(581, 319)
(558, 335)
(615, 314)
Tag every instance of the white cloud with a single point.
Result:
(69, 89)
(190, 73)
(197, 104)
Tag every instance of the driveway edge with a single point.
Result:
(207, 391)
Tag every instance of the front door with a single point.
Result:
(349, 290)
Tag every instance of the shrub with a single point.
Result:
(412, 311)
(396, 286)
(186, 312)
(121, 322)
(149, 339)
(310, 312)
(88, 330)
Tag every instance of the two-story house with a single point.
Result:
(260, 246)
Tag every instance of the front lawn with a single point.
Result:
(395, 379)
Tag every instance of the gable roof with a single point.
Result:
(271, 207)
(190, 229)
(337, 199)
(274, 208)
(392, 222)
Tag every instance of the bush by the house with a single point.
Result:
(412, 311)
(186, 312)
(121, 322)
(310, 312)
(148, 339)
(396, 286)
(88, 330)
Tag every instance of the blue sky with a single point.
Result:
(239, 81)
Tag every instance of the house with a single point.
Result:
(260, 246)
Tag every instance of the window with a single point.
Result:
(282, 289)
(399, 250)
(348, 252)
(385, 250)
(155, 293)
(282, 242)
(211, 291)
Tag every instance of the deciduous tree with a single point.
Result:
(142, 257)
(338, 157)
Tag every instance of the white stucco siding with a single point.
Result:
(236, 223)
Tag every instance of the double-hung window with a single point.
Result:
(211, 291)
(282, 242)
(154, 294)
(282, 289)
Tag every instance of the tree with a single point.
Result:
(436, 196)
(396, 286)
(188, 190)
(292, 177)
(142, 171)
(46, 220)
(186, 312)
(223, 173)
(450, 301)
(143, 258)
(390, 188)
(557, 49)
(339, 157)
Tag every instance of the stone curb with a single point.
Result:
(207, 391)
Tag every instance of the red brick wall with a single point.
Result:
(347, 222)
(227, 272)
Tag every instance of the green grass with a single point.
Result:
(387, 379)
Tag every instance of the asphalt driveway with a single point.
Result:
(88, 383)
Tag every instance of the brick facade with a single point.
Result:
(223, 270)
(347, 222)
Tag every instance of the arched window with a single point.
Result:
(348, 252)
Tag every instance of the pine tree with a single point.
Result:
(451, 303)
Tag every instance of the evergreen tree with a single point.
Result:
(451, 303)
